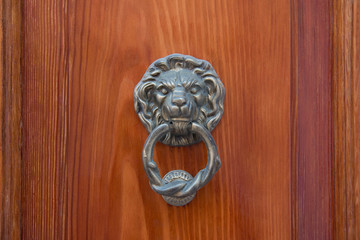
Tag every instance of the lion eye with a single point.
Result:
(194, 89)
(163, 90)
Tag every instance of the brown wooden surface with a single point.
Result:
(288, 139)
(82, 170)
(10, 109)
(346, 117)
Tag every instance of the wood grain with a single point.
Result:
(294, 79)
(292, 106)
(10, 108)
(312, 166)
(82, 171)
(45, 115)
(346, 117)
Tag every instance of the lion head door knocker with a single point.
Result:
(180, 100)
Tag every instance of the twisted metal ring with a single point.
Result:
(178, 187)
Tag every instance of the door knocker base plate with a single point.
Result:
(173, 176)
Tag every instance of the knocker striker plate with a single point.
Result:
(174, 176)
(180, 100)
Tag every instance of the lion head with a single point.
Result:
(179, 89)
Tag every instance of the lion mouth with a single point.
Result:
(180, 128)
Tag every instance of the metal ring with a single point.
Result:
(177, 189)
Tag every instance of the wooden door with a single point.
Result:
(288, 140)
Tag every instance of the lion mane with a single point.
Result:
(149, 112)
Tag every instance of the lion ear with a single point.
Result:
(142, 98)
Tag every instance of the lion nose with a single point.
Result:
(178, 100)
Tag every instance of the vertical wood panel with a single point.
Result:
(294, 148)
(355, 164)
(10, 94)
(313, 216)
(45, 116)
(346, 117)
